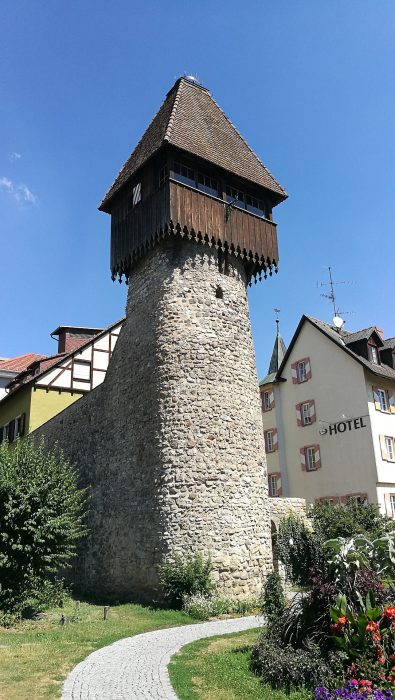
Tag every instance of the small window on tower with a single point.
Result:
(207, 184)
(136, 194)
(184, 174)
(162, 175)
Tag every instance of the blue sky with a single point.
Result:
(309, 84)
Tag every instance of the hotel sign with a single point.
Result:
(344, 426)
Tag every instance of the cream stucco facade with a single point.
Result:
(331, 431)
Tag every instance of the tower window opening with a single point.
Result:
(242, 200)
(162, 175)
(184, 174)
(219, 293)
(193, 178)
(136, 194)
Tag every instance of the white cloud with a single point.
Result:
(23, 193)
(14, 156)
(6, 184)
(19, 192)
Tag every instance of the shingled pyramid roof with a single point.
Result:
(190, 119)
(276, 359)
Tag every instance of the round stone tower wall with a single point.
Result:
(197, 413)
(171, 444)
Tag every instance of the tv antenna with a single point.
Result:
(337, 314)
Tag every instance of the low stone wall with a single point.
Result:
(280, 507)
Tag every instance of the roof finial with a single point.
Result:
(277, 311)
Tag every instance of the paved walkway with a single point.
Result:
(135, 668)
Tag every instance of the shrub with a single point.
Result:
(273, 603)
(346, 556)
(184, 576)
(41, 519)
(299, 549)
(288, 668)
(349, 520)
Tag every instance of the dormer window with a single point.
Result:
(374, 355)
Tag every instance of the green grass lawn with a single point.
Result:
(35, 656)
(217, 669)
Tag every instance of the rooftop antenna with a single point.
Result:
(338, 321)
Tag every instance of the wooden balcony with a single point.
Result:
(176, 208)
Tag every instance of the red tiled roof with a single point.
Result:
(190, 119)
(20, 363)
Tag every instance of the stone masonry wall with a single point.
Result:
(171, 443)
(280, 507)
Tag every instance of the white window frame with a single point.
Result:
(306, 413)
(136, 194)
(383, 400)
(272, 479)
(79, 364)
(266, 400)
(390, 447)
(374, 354)
(269, 440)
(301, 371)
(310, 459)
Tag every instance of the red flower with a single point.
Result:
(381, 659)
(342, 620)
(372, 626)
(390, 612)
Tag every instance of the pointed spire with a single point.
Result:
(279, 350)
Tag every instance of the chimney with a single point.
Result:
(72, 337)
(380, 332)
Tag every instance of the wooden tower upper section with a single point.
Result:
(192, 175)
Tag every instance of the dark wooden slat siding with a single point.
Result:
(131, 234)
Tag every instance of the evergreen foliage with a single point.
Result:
(273, 604)
(299, 549)
(41, 519)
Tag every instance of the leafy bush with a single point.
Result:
(41, 519)
(349, 520)
(273, 603)
(181, 576)
(346, 556)
(288, 668)
(299, 549)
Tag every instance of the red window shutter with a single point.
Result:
(275, 440)
(302, 452)
(294, 372)
(317, 457)
(313, 416)
(298, 409)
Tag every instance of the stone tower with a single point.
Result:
(172, 441)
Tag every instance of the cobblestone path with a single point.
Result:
(135, 668)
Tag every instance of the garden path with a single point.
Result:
(135, 668)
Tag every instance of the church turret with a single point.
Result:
(192, 175)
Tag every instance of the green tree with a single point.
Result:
(41, 519)
(331, 522)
